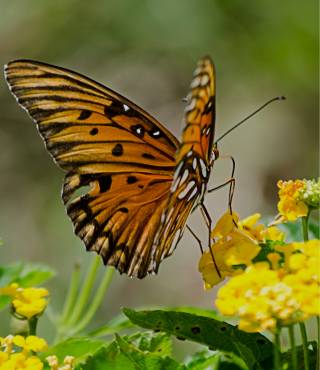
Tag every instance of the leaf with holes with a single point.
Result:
(254, 348)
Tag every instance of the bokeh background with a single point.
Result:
(147, 50)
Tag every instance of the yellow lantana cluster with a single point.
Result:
(236, 244)
(17, 352)
(297, 197)
(264, 298)
(26, 302)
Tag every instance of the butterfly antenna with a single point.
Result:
(249, 116)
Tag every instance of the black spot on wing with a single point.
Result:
(105, 183)
(117, 151)
(84, 115)
(94, 131)
(123, 210)
(148, 156)
(138, 130)
(131, 179)
(117, 108)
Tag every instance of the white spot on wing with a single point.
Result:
(194, 192)
(194, 163)
(203, 168)
(195, 82)
(184, 176)
(125, 107)
(204, 80)
(184, 192)
(191, 105)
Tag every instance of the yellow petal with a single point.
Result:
(225, 225)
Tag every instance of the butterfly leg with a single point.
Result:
(208, 221)
(195, 236)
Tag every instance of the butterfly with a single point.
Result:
(137, 182)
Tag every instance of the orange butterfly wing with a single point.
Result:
(103, 140)
(193, 159)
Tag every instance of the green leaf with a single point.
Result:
(144, 350)
(26, 275)
(121, 322)
(10, 273)
(80, 348)
(160, 344)
(146, 360)
(253, 348)
(34, 274)
(216, 361)
(108, 358)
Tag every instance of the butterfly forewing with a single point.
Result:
(192, 159)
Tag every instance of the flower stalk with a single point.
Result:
(32, 323)
(85, 292)
(277, 350)
(294, 355)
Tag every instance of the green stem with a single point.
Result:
(304, 345)
(32, 322)
(305, 227)
(86, 290)
(318, 332)
(277, 351)
(294, 356)
(72, 295)
(96, 301)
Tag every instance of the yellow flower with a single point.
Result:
(250, 227)
(264, 297)
(7, 343)
(10, 360)
(272, 233)
(30, 343)
(30, 302)
(3, 358)
(236, 243)
(26, 302)
(10, 290)
(225, 225)
(291, 204)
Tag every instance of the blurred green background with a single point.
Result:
(147, 50)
